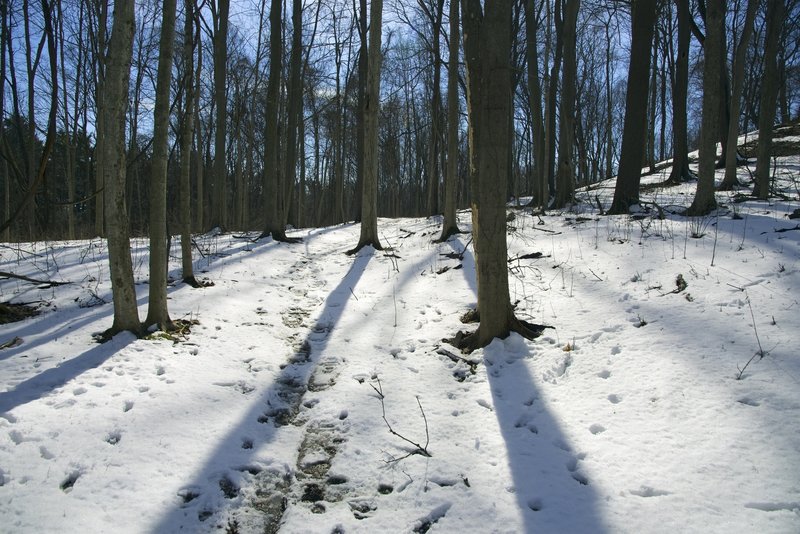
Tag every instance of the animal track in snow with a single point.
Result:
(485, 404)
(604, 374)
(614, 399)
(597, 429)
(647, 491)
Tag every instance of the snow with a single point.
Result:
(626, 416)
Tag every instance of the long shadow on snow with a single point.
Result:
(39, 385)
(553, 493)
(49, 326)
(229, 455)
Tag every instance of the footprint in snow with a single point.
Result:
(604, 374)
(614, 399)
(597, 429)
(485, 404)
(647, 491)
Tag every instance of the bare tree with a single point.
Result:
(273, 217)
(680, 145)
(704, 199)
(111, 164)
(450, 222)
(565, 177)
(369, 199)
(732, 158)
(295, 106)
(487, 50)
(769, 96)
(187, 119)
(220, 198)
(626, 192)
(157, 313)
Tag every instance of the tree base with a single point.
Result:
(447, 233)
(374, 244)
(197, 284)
(279, 236)
(469, 342)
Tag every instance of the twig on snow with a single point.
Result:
(419, 449)
(761, 353)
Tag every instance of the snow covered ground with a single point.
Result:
(626, 416)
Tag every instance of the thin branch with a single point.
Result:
(419, 449)
(50, 283)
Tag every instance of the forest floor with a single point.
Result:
(314, 392)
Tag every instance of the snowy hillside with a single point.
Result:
(274, 412)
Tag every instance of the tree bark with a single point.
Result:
(731, 154)
(487, 48)
(295, 106)
(704, 200)
(273, 218)
(680, 145)
(565, 178)
(220, 198)
(769, 96)
(450, 222)
(626, 192)
(372, 100)
(112, 166)
(185, 140)
(540, 189)
(157, 313)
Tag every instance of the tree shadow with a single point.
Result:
(39, 385)
(553, 491)
(262, 422)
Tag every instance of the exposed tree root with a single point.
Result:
(374, 244)
(195, 283)
(469, 342)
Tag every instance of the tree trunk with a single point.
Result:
(548, 173)
(186, 135)
(220, 198)
(626, 192)
(111, 166)
(361, 91)
(273, 220)
(731, 154)
(450, 222)
(157, 313)
(680, 145)
(487, 47)
(704, 200)
(565, 186)
(769, 96)
(436, 104)
(295, 106)
(540, 190)
(372, 100)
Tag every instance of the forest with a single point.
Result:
(268, 97)
(503, 266)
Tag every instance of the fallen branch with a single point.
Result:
(50, 283)
(531, 256)
(781, 230)
(419, 449)
(761, 353)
